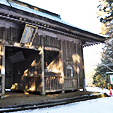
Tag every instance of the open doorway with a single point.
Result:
(51, 61)
(53, 71)
(17, 61)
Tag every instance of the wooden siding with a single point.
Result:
(66, 47)
(31, 73)
(48, 41)
(71, 76)
(52, 83)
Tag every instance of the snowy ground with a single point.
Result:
(100, 105)
(97, 89)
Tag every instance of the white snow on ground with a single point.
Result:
(100, 105)
(97, 89)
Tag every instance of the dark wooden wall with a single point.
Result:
(67, 47)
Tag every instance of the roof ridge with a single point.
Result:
(35, 8)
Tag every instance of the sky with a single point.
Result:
(82, 14)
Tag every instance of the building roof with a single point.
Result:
(33, 9)
(40, 12)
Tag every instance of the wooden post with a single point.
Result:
(3, 70)
(3, 60)
(83, 71)
(62, 59)
(42, 59)
(77, 65)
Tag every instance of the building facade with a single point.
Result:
(39, 51)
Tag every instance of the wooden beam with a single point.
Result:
(83, 35)
(52, 49)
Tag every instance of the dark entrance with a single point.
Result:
(20, 62)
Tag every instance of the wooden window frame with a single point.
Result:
(26, 38)
(69, 67)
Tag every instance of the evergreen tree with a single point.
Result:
(105, 14)
(105, 66)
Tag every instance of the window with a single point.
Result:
(28, 34)
(69, 69)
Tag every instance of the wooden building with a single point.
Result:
(39, 51)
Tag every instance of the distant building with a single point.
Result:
(39, 51)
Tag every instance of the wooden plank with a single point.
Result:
(13, 34)
(75, 63)
(1, 32)
(80, 66)
(52, 49)
(67, 49)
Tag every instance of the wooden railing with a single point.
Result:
(52, 82)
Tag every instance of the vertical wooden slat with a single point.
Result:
(50, 83)
(56, 83)
(1, 32)
(70, 49)
(9, 34)
(74, 63)
(66, 50)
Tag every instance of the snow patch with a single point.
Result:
(97, 89)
